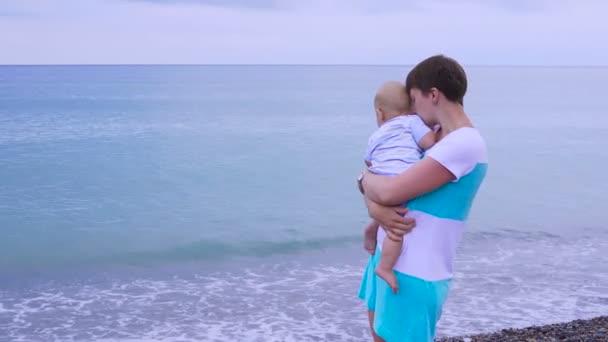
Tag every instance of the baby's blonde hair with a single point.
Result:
(392, 99)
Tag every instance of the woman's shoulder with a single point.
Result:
(465, 139)
(460, 151)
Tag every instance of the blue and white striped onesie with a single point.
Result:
(394, 146)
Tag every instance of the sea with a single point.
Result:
(219, 203)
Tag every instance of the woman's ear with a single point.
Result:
(434, 93)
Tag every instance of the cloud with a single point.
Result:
(255, 4)
(321, 6)
(367, 6)
(303, 32)
(14, 14)
(8, 14)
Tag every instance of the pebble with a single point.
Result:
(591, 330)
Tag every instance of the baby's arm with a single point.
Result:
(424, 136)
(427, 141)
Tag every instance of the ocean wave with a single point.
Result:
(211, 250)
(203, 250)
(309, 296)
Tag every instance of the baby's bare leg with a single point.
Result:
(391, 250)
(369, 238)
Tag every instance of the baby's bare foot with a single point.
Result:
(389, 277)
(369, 241)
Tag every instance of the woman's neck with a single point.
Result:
(453, 117)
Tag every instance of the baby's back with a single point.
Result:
(393, 147)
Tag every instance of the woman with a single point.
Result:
(439, 190)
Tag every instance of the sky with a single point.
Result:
(476, 32)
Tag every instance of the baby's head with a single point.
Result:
(391, 101)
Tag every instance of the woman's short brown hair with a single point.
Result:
(440, 72)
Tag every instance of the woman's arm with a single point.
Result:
(424, 176)
(391, 219)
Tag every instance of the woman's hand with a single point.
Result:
(391, 219)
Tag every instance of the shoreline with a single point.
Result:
(591, 330)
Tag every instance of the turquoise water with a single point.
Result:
(139, 196)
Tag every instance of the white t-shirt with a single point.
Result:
(429, 249)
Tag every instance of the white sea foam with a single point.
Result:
(501, 282)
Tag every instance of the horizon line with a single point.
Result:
(302, 65)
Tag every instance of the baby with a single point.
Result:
(396, 145)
